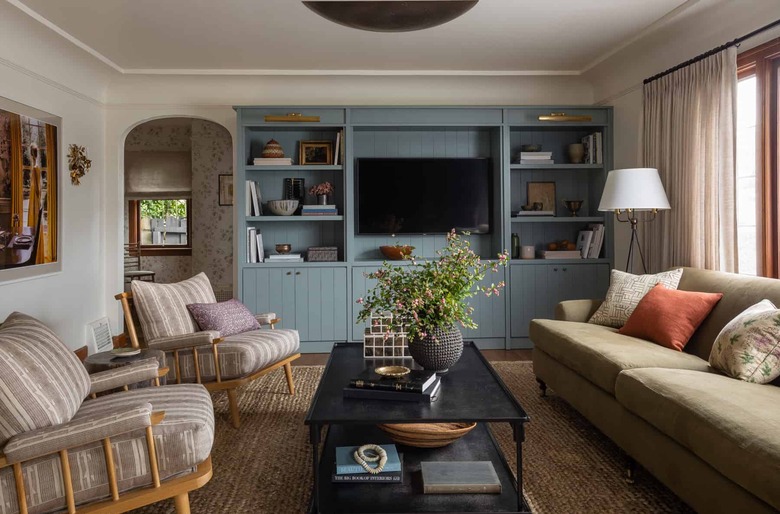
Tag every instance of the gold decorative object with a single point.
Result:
(562, 116)
(78, 163)
(292, 117)
(574, 206)
(283, 248)
(426, 435)
(392, 371)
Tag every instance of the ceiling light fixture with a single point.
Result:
(391, 16)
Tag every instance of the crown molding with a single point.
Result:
(52, 83)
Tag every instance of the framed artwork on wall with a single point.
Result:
(226, 190)
(30, 210)
(542, 193)
(316, 152)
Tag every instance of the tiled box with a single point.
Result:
(378, 343)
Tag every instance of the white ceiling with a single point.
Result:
(272, 36)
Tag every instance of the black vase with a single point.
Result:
(440, 354)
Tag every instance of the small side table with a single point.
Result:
(106, 360)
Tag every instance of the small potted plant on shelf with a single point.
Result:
(428, 297)
(321, 191)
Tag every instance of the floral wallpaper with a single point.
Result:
(5, 154)
(212, 224)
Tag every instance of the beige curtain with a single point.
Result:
(689, 136)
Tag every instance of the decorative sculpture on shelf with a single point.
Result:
(78, 163)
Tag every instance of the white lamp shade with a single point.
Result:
(639, 189)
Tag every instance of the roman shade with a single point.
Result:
(158, 175)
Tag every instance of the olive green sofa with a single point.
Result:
(712, 439)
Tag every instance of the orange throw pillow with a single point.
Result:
(669, 317)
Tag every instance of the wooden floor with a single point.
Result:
(320, 359)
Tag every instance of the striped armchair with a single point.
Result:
(167, 325)
(111, 453)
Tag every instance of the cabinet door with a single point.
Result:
(321, 303)
(489, 311)
(271, 290)
(529, 296)
(360, 286)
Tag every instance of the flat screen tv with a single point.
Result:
(423, 195)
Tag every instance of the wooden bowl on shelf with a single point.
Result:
(396, 253)
(426, 435)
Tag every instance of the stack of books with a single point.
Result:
(286, 257)
(416, 386)
(347, 470)
(254, 245)
(319, 210)
(536, 158)
(590, 241)
(593, 149)
(272, 161)
(254, 199)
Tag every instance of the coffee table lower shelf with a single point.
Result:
(408, 497)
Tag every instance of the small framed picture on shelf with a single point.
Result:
(542, 193)
(316, 152)
(226, 190)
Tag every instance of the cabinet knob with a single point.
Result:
(564, 269)
(555, 269)
(289, 272)
(297, 272)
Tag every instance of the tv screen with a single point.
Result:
(423, 196)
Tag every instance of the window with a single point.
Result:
(161, 226)
(758, 172)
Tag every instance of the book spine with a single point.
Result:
(387, 479)
(462, 488)
(389, 386)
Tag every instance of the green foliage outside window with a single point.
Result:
(162, 209)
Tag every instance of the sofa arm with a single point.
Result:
(131, 374)
(78, 432)
(184, 341)
(576, 310)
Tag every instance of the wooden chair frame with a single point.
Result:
(177, 488)
(230, 386)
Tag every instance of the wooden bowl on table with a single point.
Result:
(426, 435)
(396, 253)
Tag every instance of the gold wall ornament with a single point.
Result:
(78, 164)
(562, 116)
(291, 116)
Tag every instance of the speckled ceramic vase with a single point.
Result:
(438, 355)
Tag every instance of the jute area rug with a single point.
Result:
(265, 466)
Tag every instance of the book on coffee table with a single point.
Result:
(345, 462)
(416, 381)
(472, 477)
(385, 477)
(428, 395)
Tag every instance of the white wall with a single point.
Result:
(39, 69)
(618, 80)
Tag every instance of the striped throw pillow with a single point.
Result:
(162, 308)
(42, 382)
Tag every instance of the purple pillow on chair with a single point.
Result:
(227, 318)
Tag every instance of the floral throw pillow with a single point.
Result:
(748, 347)
(624, 293)
(227, 318)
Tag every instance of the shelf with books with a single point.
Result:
(556, 167)
(296, 167)
(294, 218)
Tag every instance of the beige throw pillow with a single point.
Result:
(625, 291)
(748, 347)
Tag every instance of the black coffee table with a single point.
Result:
(471, 391)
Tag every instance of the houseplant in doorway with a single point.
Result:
(429, 298)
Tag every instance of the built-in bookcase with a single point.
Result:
(318, 298)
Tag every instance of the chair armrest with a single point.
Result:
(184, 341)
(78, 432)
(131, 374)
(267, 318)
(576, 310)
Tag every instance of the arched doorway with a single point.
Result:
(173, 209)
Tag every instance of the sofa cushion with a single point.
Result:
(730, 424)
(42, 382)
(748, 347)
(669, 317)
(162, 308)
(228, 318)
(240, 355)
(624, 293)
(599, 353)
(183, 440)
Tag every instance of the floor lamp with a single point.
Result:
(628, 192)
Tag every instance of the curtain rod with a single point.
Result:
(698, 58)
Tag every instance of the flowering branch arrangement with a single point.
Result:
(326, 188)
(432, 294)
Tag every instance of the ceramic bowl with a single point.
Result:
(283, 207)
(396, 253)
(531, 148)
